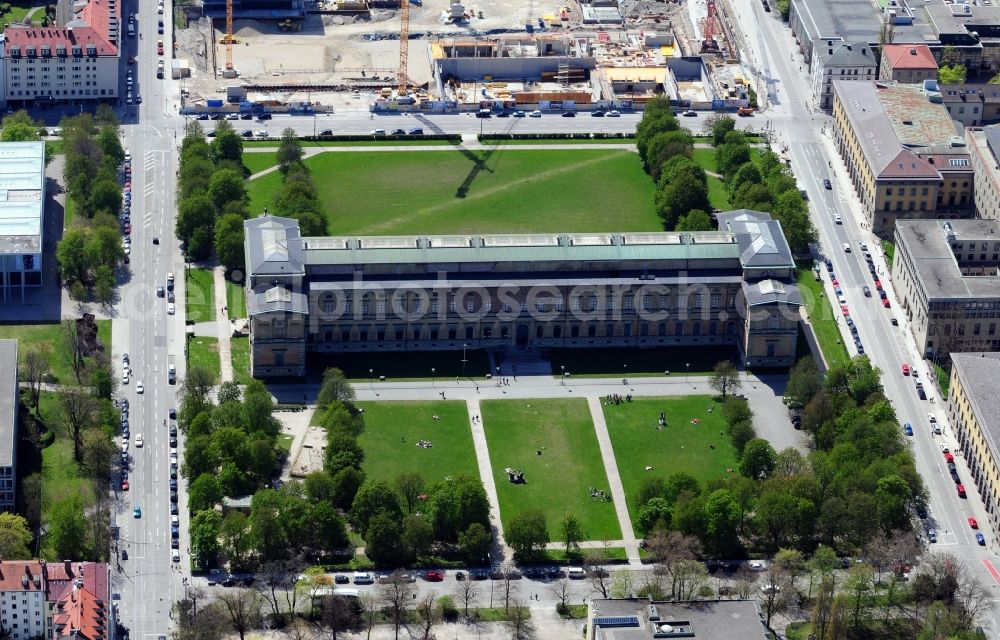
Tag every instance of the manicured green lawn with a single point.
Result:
(50, 339)
(943, 378)
(240, 350)
(821, 317)
(718, 195)
(629, 141)
(200, 289)
(704, 158)
(204, 352)
(496, 191)
(392, 430)
(679, 446)
(236, 300)
(559, 481)
(254, 162)
(411, 365)
(634, 363)
(17, 14)
(890, 252)
(61, 477)
(68, 212)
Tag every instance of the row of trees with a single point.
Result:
(211, 195)
(408, 519)
(297, 196)
(91, 248)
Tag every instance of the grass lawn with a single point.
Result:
(254, 162)
(411, 365)
(634, 363)
(49, 338)
(240, 350)
(630, 141)
(392, 430)
(495, 191)
(559, 480)
(200, 303)
(680, 446)
(68, 212)
(890, 251)
(718, 195)
(704, 158)
(60, 475)
(55, 147)
(204, 352)
(943, 378)
(17, 14)
(821, 317)
(236, 300)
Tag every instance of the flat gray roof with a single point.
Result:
(978, 374)
(22, 197)
(961, 18)
(936, 269)
(853, 20)
(8, 402)
(642, 619)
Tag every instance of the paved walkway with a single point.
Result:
(225, 330)
(486, 475)
(614, 480)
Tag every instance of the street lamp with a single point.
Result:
(687, 370)
(371, 379)
(465, 345)
(432, 376)
(498, 376)
(563, 379)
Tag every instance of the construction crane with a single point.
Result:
(403, 80)
(229, 40)
(708, 43)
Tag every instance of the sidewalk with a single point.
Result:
(486, 475)
(225, 329)
(614, 480)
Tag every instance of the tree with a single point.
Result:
(384, 540)
(722, 519)
(19, 127)
(78, 408)
(573, 533)
(730, 156)
(758, 459)
(725, 378)
(527, 534)
(721, 125)
(335, 388)
(204, 493)
(468, 595)
(74, 263)
(106, 195)
(194, 212)
(748, 173)
(695, 220)
(67, 527)
(14, 537)
(428, 615)
(346, 484)
(205, 529)
(804, 382)
(242, 608)
(235, 535)
(474, 543)
(410, 486)
(34, 372)
(682, 195)
(774, 592)
(655, 514)
(226, 185)
(370, 611)
(418, 535)
(290, 149)
(104, 285)
(110, 144)
(229, 241)
(227, 144)
(519, 623)
(952, 74)
(374, 497)
(664, 146)
(394, 594)
(792, 564)
(336, 615)
(98, 451)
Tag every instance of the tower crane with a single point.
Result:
(402, 79)
(708, 43)
(229, 40)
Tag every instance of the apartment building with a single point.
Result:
(907, 63)
(9, 404)
(984, 149)
(647, 619)
(974, 409)
(734, 286)
(945, 275)
(40, 599)
(834, 59)
(905, 156)
(75, 63)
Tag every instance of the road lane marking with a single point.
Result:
(993, 570)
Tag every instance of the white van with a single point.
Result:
(362, 577)
(576, 573)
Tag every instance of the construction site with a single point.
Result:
(438, 55)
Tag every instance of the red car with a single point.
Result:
(835, 283)
(434, 576)
(844, 310)
(878, 284)
(906, 369)
(948, 457)
(973, 523)
(885, 303)
(124, 485)
(159, 49)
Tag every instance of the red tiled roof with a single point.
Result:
(907, 164)
(909, 56)
(11, 572)
(81, 614)
(62, 574)
(90, 26)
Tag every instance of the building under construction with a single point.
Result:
(257, 9)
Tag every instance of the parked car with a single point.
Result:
(434, 576)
